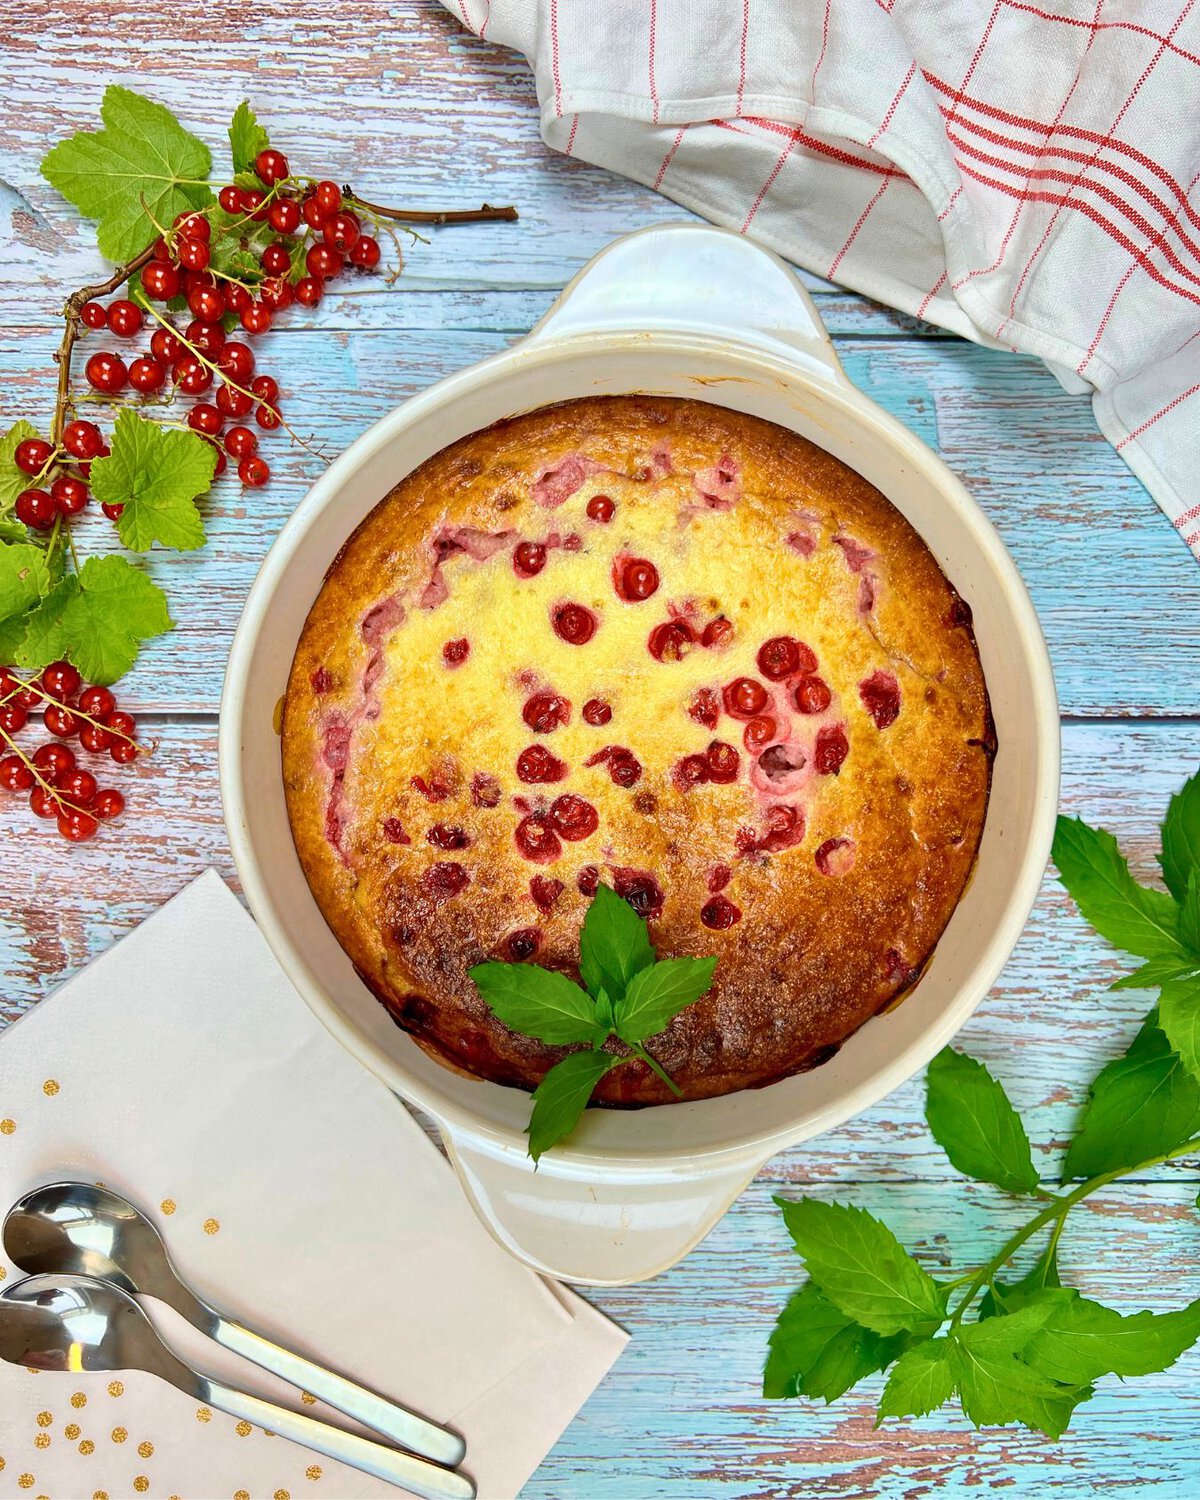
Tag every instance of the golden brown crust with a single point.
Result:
(386, 745)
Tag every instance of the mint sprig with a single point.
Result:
(1026, 1351)
(629, 996)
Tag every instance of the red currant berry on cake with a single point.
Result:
(705, 708)
(601, 508)
(782, 656)
(671, 641)
(454, 653)
(784, 829)
(635, 579)
(109, 804)
(15, 775)
(106, 372)
(574, 817)
(812, 695)
(880, 694)
(588, 880)
(537, 840)
(832, 749)
(596, 712)
(720, 913)
(536, 765)
(522, 944)
(448, 836)
(485, 790)
(691, 771)
(529, 558)
(82, 439)
(759, 733)
(573, 623)
(92, 315)
(717, 634)
(624, 768)
(641, 890)
(393, 831)
(835, 857)
(445, 880)
(545, 893)
(723, 762)
(36, 509)
(544, 712)
(745, 698)
(32, 455)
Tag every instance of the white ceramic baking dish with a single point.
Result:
(683, 310)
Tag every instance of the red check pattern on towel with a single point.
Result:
(1021, 173)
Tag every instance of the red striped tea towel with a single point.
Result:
(1021, 172)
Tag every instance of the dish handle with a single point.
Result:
(589, 1226)
(694, 279)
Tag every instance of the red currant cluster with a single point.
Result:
(58, 786)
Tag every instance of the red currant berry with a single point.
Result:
(231, 200)
(271, 166)
(76, 825)
(123, 725)
(284, 217)
(69, 495)
(314, 214)
(44, 804)
(328, 196)
(232, 403)
(166, 346)
(92, 737)
(635, 579)
(237, 362)
(147, 375)
(32, 455)
(162, 252)
(601, 508)
(78, 787)
(341, 232)
(92, 315)
(206, 419)
(309, 290)
(745, 698)
(573, 623)
(125, 318)
(276, 259)
(240, 442)
(323, 262)
(109, 804)
(106, 372)
(252, 202)
(60, 721)
(160, 282)
(253, 472)
(831, 749)
(113, 512)
(256, 318)
(36, 509)
(82, 439)
(596, 712)
(96, 702)
(194, 225)
(783, 656)
(123, 753)
(222, 463)
(192, 255)
(15, 775)
(191, 375)
(717, 634)
(236, 297)
(276, 293)
(529, 559)
(266, 388)
(13, 717)
(268, 418)
(365, 253)
(206, 303)
(207, 337)
(720, 913)
(671, 641)
(812, 695)
(544, 712)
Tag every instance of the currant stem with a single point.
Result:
(487, 214)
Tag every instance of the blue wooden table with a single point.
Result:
(395, 98)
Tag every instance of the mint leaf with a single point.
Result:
(1189, 914)
(862, 1268)
(657, 994)
(1141, 1105)
(1082, 1340)
(919, 1382)
(1157, 971)
(1003, 1298)
(562, 1096)
(996, 1387)
(140, 171)
(972, 1120)
(1129, 915)
(614, 944)
(539, 1002)
(1179, 1017)
(156, 474)
(815, 1350)
(12, 479)
(1181, 837)
(246, 138)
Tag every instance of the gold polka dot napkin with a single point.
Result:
(298, 1195)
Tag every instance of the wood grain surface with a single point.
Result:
(396, 99)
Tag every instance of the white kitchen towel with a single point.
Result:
(1021, 173)
(297, 1194)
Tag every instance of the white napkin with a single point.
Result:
(1022, 174)
(300, 1197)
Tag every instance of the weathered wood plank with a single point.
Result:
(1099, 558)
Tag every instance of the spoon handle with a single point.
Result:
(414, 1474)
(403, 1427)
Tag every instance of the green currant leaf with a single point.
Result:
(24, 578)
(141, 170)
(1181, 837)
(920, 1381)
(613, 946)
(862, 1268)
(817, 1351)
(12, 479)
(42, 639)
(111, 610)
(538, 1002)
(562, 1096)
(246, 138)
(972, 1120)
(1139, 1106)
(1129, 915)
(156, 474)
(657, 994)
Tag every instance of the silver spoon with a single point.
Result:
(77, 1323)
(74, 1228)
